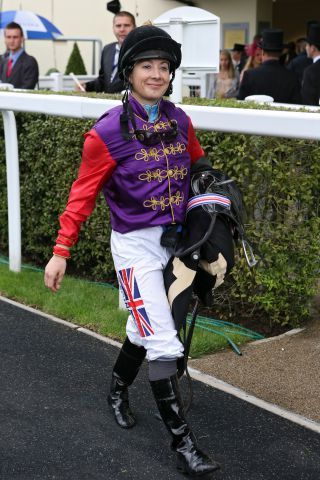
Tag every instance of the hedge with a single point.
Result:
(279, 179)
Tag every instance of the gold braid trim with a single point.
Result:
(160, 175)
(157, 153)
(164, 202)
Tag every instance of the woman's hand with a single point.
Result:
(54, 272)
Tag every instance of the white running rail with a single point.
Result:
(291, 124)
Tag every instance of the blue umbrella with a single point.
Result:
(35, 27)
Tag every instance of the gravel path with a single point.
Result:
(284, 370)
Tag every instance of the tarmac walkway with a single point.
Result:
(55, 422)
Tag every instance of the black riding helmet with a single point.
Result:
(142, 43)
(148, 42)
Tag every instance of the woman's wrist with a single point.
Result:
(61, 251)
(60, 256)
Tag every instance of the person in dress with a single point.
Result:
(225, 83)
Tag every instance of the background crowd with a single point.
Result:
(289, 73)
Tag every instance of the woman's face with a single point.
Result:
(257, 59)
(150, 80)
(224, 62)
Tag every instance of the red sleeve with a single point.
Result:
(96, 168)
(194, 147)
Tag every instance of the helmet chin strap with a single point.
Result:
(170, 87)
(124, 116)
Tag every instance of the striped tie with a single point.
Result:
(9, 67)
(115, 63)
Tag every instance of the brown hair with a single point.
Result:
(14, 26)
(123, 13)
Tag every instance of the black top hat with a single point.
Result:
(313, 36)
(238, 47)
(272, 40)
(114, 6)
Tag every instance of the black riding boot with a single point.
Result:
(124, 372)
(190, 459)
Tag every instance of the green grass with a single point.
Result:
(92, 305)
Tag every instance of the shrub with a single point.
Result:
(279, 179)
(75, 63)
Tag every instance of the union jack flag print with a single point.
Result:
(134, 302)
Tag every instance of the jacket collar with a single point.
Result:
(16, 55)
(272, 61)
(140, 110)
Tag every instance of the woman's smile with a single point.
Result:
(150, 80)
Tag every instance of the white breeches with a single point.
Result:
(139, 261)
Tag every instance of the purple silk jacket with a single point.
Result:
(150, 185)
(143, 185)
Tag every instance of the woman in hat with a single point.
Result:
(254, 58)
(140, 155)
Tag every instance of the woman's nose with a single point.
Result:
(156, 72)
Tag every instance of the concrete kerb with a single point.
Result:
(39, 312)
(196, 374)
(74, 326)
(294, 331)
(270, 407)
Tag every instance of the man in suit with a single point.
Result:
(108, 80)
(301, 61)
(311, 77)
(271, 78)
(17, 67)
(239, 56)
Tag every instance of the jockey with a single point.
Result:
(140, 155)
